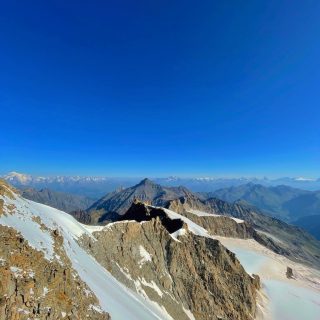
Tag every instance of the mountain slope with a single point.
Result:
(277, 235)
(311, 224)
(152, 264)
(59, 200)
(38, 224)
(281, 297)
(164, 259)
(117, 203)
(280, 201)
(157, 289)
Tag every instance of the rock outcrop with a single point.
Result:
(159, 258)
(32, 287)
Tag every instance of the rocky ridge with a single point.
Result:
(275, 234)
(159, 257)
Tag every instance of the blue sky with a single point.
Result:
(161, 88)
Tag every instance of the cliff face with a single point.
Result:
(31, 287)
(178, 270)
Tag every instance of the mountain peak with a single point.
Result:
(146, 181)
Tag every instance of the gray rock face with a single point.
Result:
(194, 272)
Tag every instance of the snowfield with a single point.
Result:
(119, 301)
(205, 214)
(281, 298)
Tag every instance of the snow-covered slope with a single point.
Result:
(282, 298)
(36, 221)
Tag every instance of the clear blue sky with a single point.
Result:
(160, 87)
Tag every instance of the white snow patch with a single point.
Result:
(193, 227)
(17, 272)
(188, 313)
(87, 292)
(286, 299)
(152, 285)
(45, 291)
(63, 314)
(111, 224)
(22, 221)
(205, 214)
(179, 233)
(145, 255)
(31, 274)
(92, 229)
(20, 310)
(95, 308)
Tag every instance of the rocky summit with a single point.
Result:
(109, 207)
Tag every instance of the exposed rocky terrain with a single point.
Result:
(152, 263)
(31, 287)
(277, 235)
(47, 270)
(184, 274)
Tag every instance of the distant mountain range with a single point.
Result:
(282, 201)
(293, 205)
(96, 187)
(285, 202)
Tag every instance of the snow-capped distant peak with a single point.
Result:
(17, 177)
(304, 179)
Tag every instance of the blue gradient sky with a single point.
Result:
(160, 87)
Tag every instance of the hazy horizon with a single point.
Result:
(142, 176)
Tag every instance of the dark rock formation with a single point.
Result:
(82, 216)
(289, 273)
